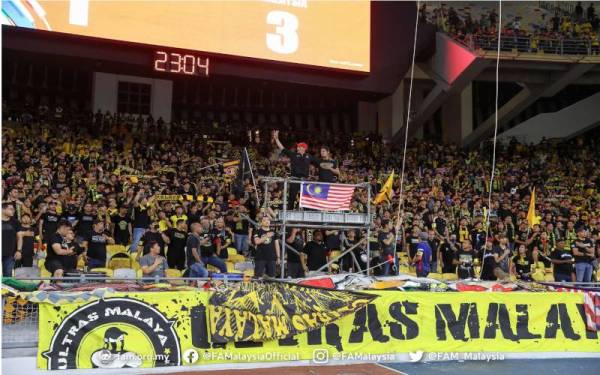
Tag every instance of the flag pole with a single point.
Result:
(252, 175)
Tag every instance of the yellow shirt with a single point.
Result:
(163, 225)
(175, 219)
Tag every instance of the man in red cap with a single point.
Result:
(300, 164)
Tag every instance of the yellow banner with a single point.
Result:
(172, 328)
(256, 311)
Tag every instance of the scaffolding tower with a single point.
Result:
(313, 219)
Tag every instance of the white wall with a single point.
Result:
(106, 86)
(565, 123)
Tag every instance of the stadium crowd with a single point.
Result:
(74, 184)
(560, 31)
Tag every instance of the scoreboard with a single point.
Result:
(331, 34)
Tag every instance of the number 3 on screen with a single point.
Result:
(285, 38)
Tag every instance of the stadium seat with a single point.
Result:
(212, 268)
(231, 268)
(120, 260)
(436, 276)
(231, 251)
(124, 274)
(249, 273)
(107, 271)
(173, 272)
(236, 258)
(111, 250)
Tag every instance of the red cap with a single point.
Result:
(303, 145)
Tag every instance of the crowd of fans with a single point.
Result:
(74, 184)
(559, 32)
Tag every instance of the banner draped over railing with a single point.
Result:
(166, 328)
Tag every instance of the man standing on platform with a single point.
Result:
(300, 164)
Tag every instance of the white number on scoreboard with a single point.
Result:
(285, 38)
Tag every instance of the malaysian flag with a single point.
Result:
(326, 197)
(591, 305)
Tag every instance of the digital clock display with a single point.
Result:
(173, 62)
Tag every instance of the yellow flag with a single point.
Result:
(531, 218)
(386, 192)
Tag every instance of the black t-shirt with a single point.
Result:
(178, 240)
(192, 243)
(208, 250)
(27, 249)
(9, 238)
(587, 244)
(96, 246)
(50, 223)
(240, 227)
(300, 164)
(266, 250)
(413, 242)
(325, 175)
(223, 237)
(71, 217)
(68, 262)
(477, 239)
(489, 263)
(332, 241)
(565, 268)
(150, 236)
(316, 255)
(84, 227)
(447, 255)
(121, 228)
(465, 268)
(523, 264)
(440, 225)
(141, 219)
(434, 244)
(297, 245)
(386, 249)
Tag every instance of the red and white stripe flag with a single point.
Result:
(326, 197)
(591, 306)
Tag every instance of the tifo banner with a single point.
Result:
(266, 311)
(172, 328)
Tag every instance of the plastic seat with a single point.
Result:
(120, 260)
(231, 251)
(450, 276)
(212, 268)
(236, 258)
(173, 272)
(111, 250)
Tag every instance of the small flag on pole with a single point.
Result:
(531, 218)
(386, 192)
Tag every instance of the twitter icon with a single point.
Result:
(415, 356)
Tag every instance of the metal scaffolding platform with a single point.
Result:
(317, 219)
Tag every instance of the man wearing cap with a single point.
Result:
(300, 164)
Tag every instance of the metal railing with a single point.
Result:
(20, 318)
(531, 44)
